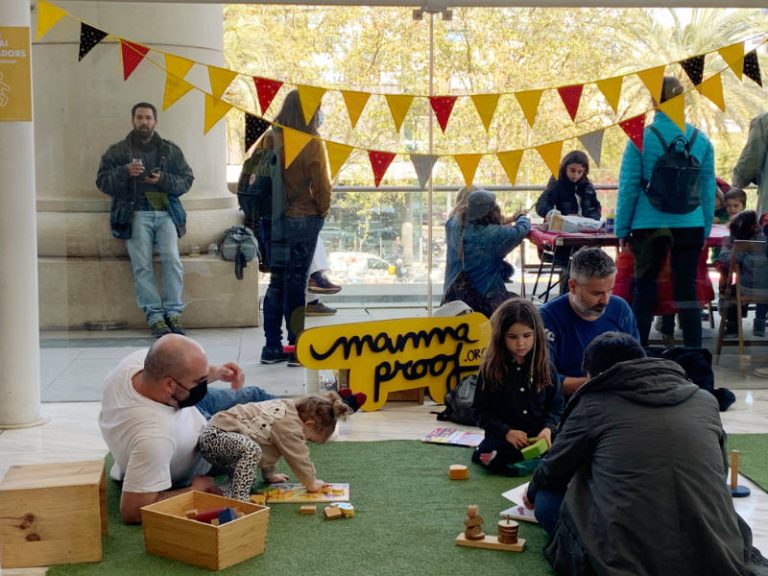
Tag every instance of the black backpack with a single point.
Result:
(458, 402)
(674, 184)
(260, 187)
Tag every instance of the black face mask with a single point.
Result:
(195, 395)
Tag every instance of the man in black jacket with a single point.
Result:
(145, 175)
(635, 482)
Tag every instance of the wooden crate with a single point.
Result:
(52, 514)
(168, 532)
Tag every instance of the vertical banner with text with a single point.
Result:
(15, 81)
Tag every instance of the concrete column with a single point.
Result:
(19, 343)
(81, 107)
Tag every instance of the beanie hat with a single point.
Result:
(479, 204)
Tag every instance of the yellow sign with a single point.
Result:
(15, 81)
(394, 355)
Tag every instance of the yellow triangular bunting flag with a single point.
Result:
(468, 166)
(295, 141)
(550, 153)
(712, 88)
(486, 107)
(675, 109)
(310, 97)
(48, 16)
(510, 161)
(337, 155)
(734, 57)
(355, 102)
(529, 102)
(177, 66)
(398, 106)
(611, 89)
(652, 79)
(220, 79)
(175, 88)
(214, 111)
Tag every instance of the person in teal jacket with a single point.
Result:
(653, 233)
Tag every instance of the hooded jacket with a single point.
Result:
(641, 451)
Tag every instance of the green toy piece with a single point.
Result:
(535, 450)
(523, 468)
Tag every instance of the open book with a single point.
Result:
(454, 437)
(518, 511)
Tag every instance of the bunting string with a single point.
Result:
(132, 54)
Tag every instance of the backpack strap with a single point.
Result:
(693, 139)
(659, 136)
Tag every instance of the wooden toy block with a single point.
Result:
(535, 450)
(737, 490)
(308, 509)
(208, 515)
(227, 515)
(191, 513)
(347, 510)
(260, 499)
(332, 513)
(458, 472)
(239, 513)
(491, 543)
(215, 522)
(168, 533)
(52, 514)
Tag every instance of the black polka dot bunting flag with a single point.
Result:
(254, 128)
(89, 37)
(694, 67)
(752, 67)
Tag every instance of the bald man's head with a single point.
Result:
(176, 356)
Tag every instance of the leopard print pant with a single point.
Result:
(236, 453)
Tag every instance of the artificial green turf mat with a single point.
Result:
(753, 456)
(407, 515)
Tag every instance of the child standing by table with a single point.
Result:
(518, 394)
(256, 433)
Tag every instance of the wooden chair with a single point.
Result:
(737, 297)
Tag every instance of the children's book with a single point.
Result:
(518, 511)
(454, 437)
(295, 492)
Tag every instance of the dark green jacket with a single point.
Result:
(112, 179)
(641, 451)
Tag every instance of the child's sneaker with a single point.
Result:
(273, 355)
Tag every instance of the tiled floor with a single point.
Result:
(74, 365)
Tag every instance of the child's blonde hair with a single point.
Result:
(325, 410)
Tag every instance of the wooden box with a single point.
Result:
(52, 514)
(168, 532)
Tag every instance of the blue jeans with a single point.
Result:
(218, 399)
(292, 243)
(547, 508)
(152, 230)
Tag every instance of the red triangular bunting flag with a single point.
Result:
(752, 67)
(633, 127)
(380, 161)
(442, 105)
(266, 90)
(571, 96)
(694, 67)
(89, 37)
(133, 54)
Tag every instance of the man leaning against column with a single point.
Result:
(145, 175)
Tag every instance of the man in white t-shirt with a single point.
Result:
(154, 405)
